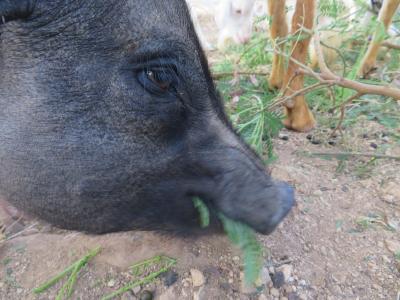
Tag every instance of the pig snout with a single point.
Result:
(285, 199)
(262, 204)
(240, 187)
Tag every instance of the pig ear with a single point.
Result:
(15, 9)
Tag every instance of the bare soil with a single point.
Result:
(334, 253)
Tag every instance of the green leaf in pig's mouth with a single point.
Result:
(241, 236)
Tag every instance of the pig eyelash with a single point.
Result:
(159, 81)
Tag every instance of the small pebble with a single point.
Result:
(226, 286)
(318, 193)
(332, 143)
(365, 136)
(111, 283)
(197, 277)
(315, 142)
(284, 137)
(136, 289)
(373, 145)
(146, 295)
(170, 278)
(278, 279)
(288, 289)
(309, 137)
(264, 278)
(293, 296)
(287, 271)
(128, 296)
(274, 292)
(302, 282)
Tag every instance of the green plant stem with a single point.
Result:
(145, 280)
(54, 280)
(74, 270)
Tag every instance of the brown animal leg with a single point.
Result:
(385, 17)
(298, 115)
(278, 29)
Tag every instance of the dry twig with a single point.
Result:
(390, 45)
(360, 88)
(342, 107)
(217, 76)
(353, 154)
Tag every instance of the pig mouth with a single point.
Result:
(263, 221)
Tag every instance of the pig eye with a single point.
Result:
(158, 81)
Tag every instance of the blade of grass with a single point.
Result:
(54, 280)
(74, 270)
(170, 262)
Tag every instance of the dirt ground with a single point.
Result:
(339, 242)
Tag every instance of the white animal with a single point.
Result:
(234, 20)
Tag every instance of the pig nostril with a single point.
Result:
(238, 11)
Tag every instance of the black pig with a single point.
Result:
(109, 121)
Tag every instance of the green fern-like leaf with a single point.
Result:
(204, 213)
(331, 8)
(244, 237)
(241, 236)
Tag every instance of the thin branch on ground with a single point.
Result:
(332, 96)
(353, 154)
(218, 76)
(342, 111)
(390, 45)
(18, 233)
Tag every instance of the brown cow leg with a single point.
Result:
(385, 17)
(278, 29)
(298, 115)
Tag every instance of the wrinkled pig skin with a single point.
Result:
(110, 121)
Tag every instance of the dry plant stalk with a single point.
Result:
(327, 75)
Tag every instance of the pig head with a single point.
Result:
(109, 121)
